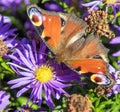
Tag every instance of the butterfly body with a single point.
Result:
(63, 34)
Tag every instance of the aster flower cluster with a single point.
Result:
(4, 100)
(32, 80)
(12, 4)
(5, 40)
(38, 73)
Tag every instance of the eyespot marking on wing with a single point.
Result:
(100, 79)
(62, 22)
(35, 16)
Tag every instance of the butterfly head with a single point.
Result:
(101, 79)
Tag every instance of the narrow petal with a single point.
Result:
(15, 65)
(90, 3)
(19, 80)
(22, 83)
(116, 54)
(115, 40)
(31, 56)
(24, 59)
(26, 74)
(57, 84)
(48, 97)
(39, 94)
(35, 53)
(19, 93)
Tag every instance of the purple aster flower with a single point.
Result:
(117, 29)
(93, 5)
(53, 6)
(39, 74)
(12, 4)
(4, 100)
(7, 37)
(116, 76)
(116, 40)
(5, 19)
(115, 4)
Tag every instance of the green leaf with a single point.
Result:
(22, 100)
(4, 65)
(97, 102)
(118, 20)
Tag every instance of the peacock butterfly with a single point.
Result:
(64, 35)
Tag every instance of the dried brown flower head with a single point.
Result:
(3, 48)
(101, 90)
(98, 24)
(79, 103)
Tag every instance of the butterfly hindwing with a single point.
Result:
(91, 66)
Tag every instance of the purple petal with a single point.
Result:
(48, 97)
(35, 51)
(4, 100)
(15, 65)
(90, 3)
(39, 94)
(20, 84)
(53, 6)
(111, 69)
(31, 55)
(116, 54)
(28, 64)
(93, 5)
(115, 40)
(26, 74)
(35, 90)
(57, 84)
(52, 90)
(58, 93)
(14, 58)
(19, 80)
(19, 93)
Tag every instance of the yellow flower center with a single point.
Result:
(110, 1)
(44, 73)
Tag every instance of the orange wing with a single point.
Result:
(55, 29)
(48, 25)
(89, 65)
(96, 66)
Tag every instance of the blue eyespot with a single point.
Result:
(33, 10)
(100, 79)
(35, 16)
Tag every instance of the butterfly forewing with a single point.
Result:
(50, 32)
